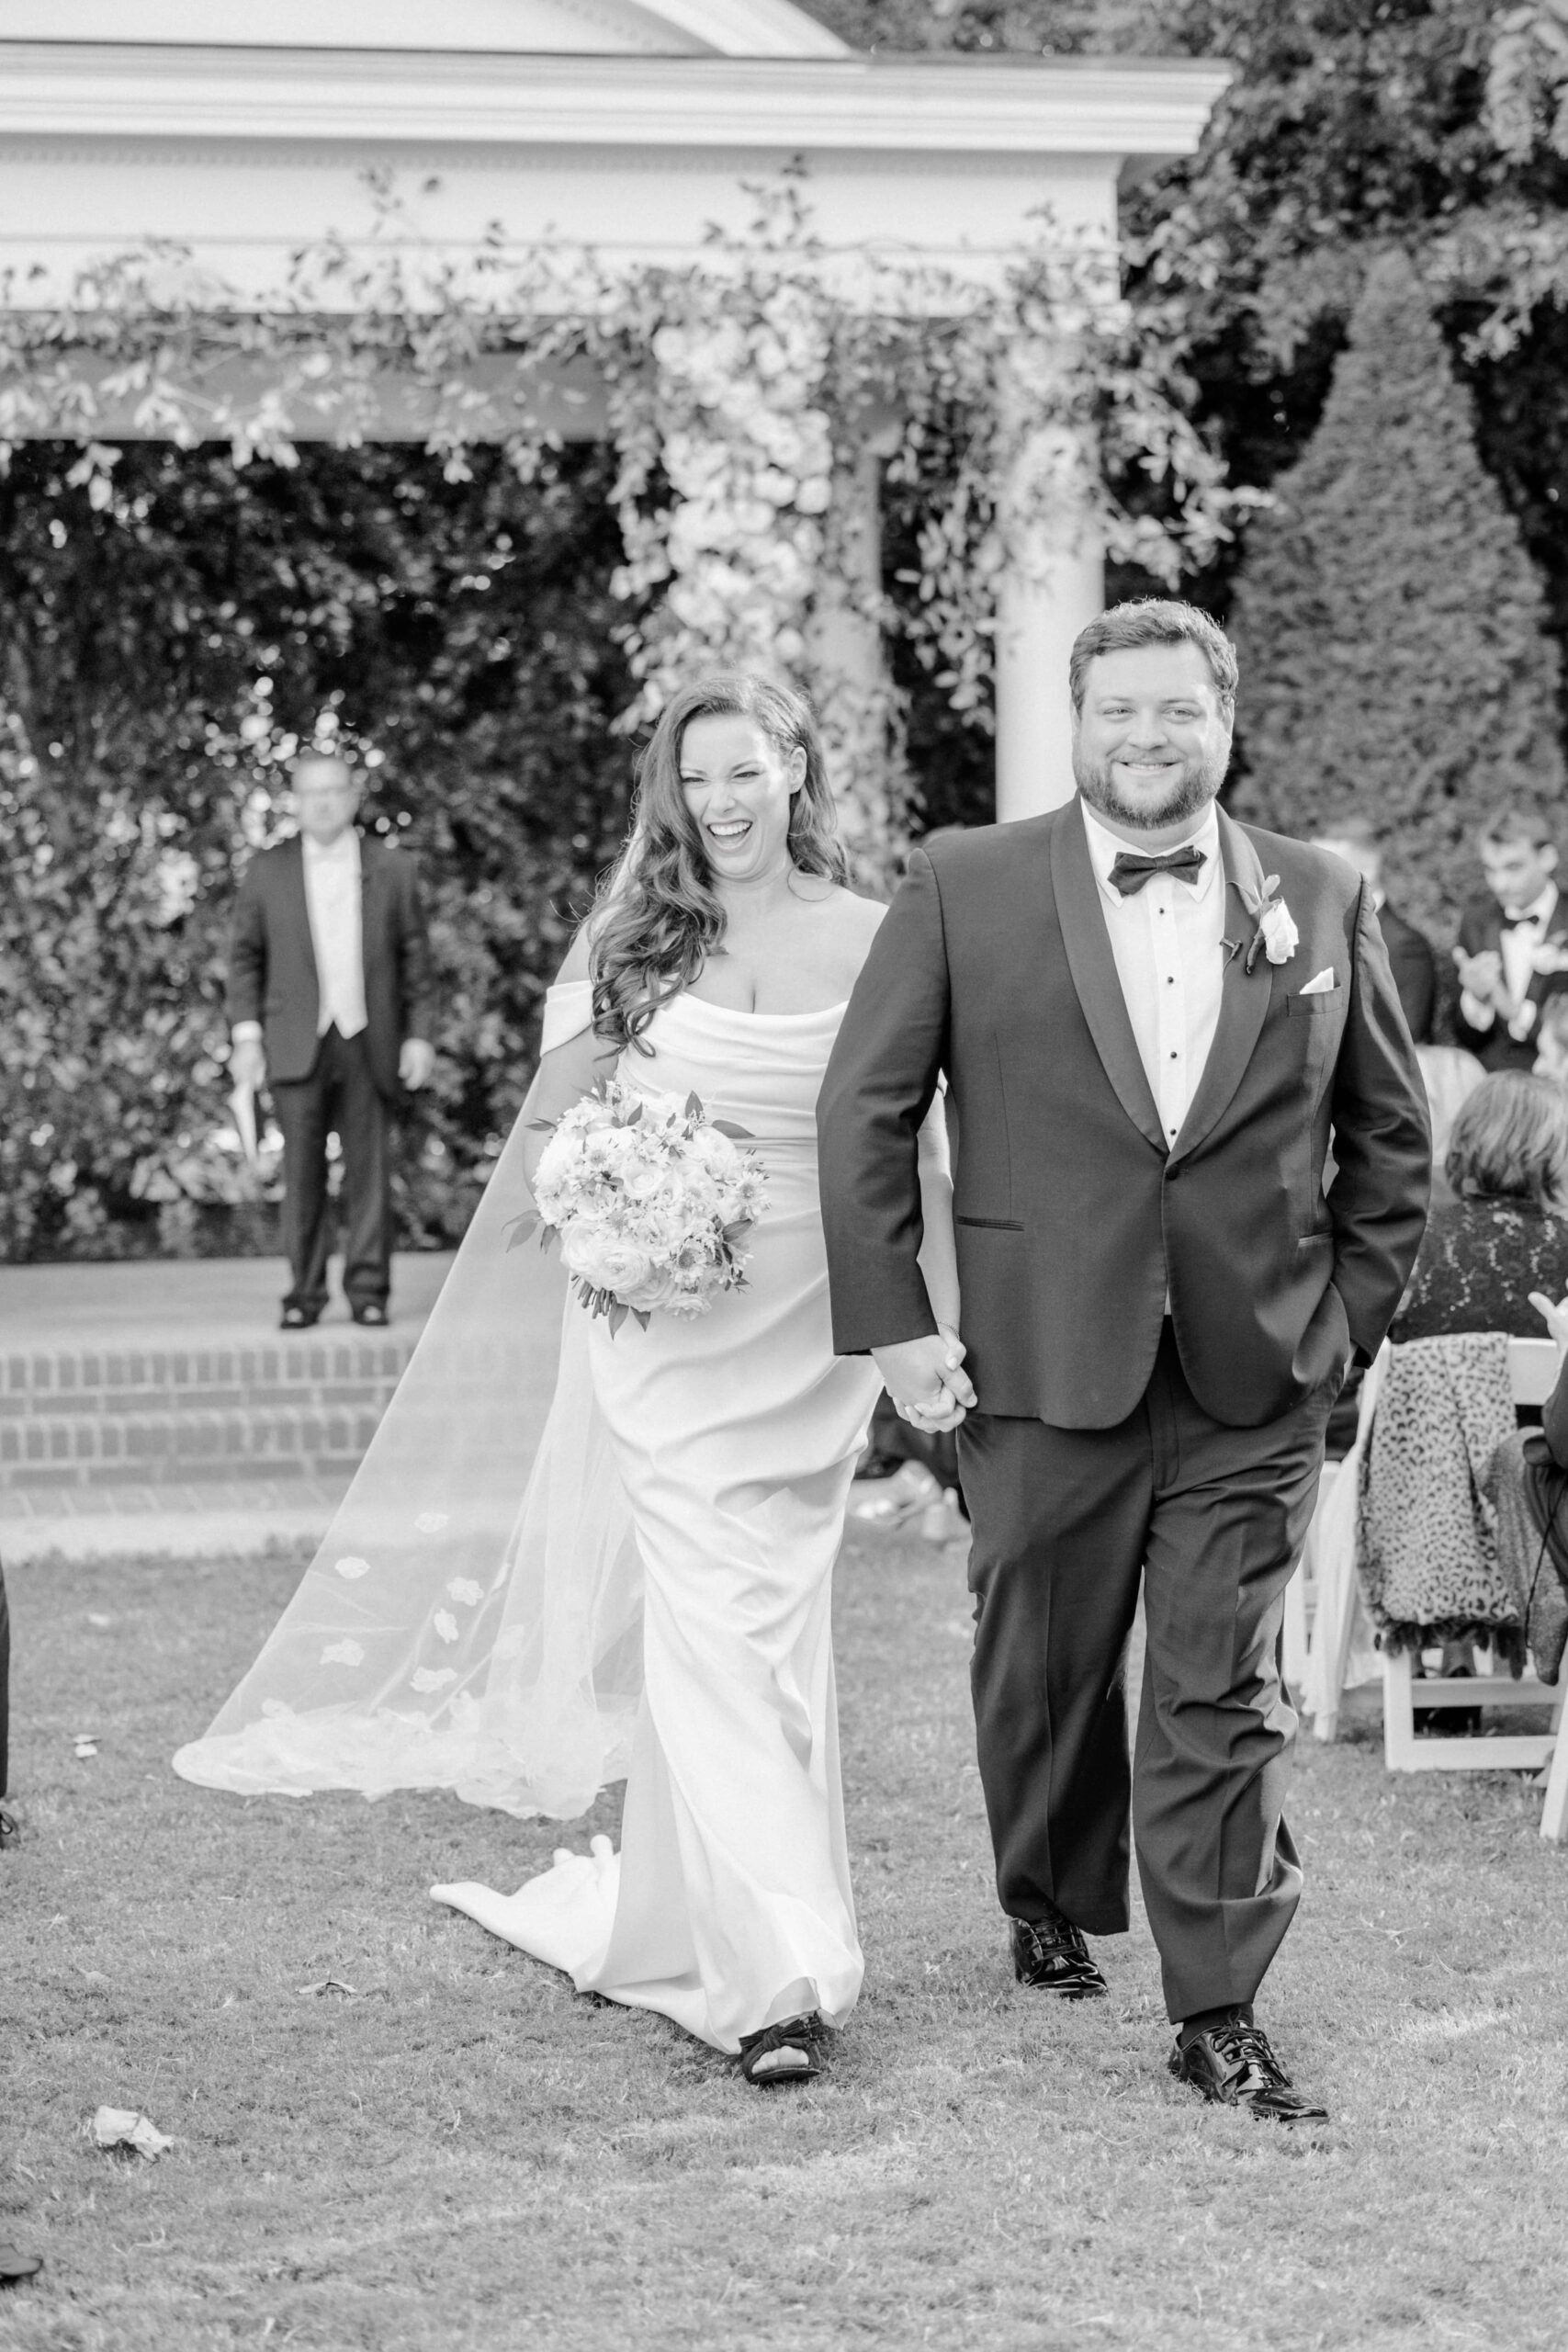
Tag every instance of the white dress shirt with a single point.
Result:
(1166, 939)
(333, 896)
(1522, 934)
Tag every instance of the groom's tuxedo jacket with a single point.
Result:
(1074, 1220)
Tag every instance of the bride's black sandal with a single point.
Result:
(801, 2037)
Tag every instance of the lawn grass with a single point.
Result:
(467, 2155)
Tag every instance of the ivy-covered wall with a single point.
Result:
(157, 652)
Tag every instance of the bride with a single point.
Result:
(658, 1606)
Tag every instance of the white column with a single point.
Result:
(1046, 597)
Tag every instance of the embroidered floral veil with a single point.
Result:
(473, 1619)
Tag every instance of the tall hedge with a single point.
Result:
(1391, 624)
(461, 634)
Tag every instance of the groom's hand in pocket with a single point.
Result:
(926, 1381)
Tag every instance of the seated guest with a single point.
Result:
(1506, 1232)
(1528, 1481)
(1410, 957)
(1450, 1077)
(1513, 945)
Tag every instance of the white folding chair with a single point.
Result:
(1331, 1554)
(1532, 1372)
(1327, 1576)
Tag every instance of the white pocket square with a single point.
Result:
(1321, 982)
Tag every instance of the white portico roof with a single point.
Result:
(659, 29)
(243, 129)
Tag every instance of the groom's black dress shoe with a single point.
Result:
(1233, 2066)
(1052, 1955)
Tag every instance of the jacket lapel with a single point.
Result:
(1244, 995)
(1092, 963)
(294, 850)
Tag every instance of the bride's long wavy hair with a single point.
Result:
(658, 918)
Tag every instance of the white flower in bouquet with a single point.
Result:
(652, 1201)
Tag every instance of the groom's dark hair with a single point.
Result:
(1155, 620)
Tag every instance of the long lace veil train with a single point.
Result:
(473, 1619)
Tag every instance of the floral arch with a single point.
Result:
(768, 269)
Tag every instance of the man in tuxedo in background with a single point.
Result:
(1150, 1018)
(1513, 945)
(330, 1006)
(1410, 957)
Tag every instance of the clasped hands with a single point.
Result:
(1482, 977)
(926, 1381)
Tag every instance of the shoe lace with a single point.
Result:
(1253, 2064)
(1057, 1938)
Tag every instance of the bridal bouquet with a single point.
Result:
(651, 1201)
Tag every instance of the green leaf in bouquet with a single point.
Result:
(728, 1127)
(618, 1314)
(739, 1230)
(694, 1107)
(543, 1127)
(521, 1228)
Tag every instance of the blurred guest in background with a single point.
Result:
(329, 1003)
(1513, 945)
(1506, 1232)
(1411, 960)
(1450, 1077)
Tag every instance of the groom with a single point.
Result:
(1151, 1019)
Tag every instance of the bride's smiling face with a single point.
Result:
(738, 787)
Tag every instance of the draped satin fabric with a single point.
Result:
(472, 1621)
(569, 1558)
(735, 1437)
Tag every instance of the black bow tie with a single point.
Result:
(1523, 923)
(1131, 871)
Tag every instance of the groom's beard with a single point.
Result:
(1191, 794)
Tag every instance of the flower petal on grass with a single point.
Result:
(126, 2126)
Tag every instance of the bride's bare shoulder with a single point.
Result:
(855, 916)
(578, 963)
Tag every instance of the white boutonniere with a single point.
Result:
(1549, 957)
(1276, 934)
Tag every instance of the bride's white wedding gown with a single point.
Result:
(522, 1606)
(735, 1436)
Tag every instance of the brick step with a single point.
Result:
(117, 1382)
(80, 1451)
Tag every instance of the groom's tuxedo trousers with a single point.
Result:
(1156, 1330)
